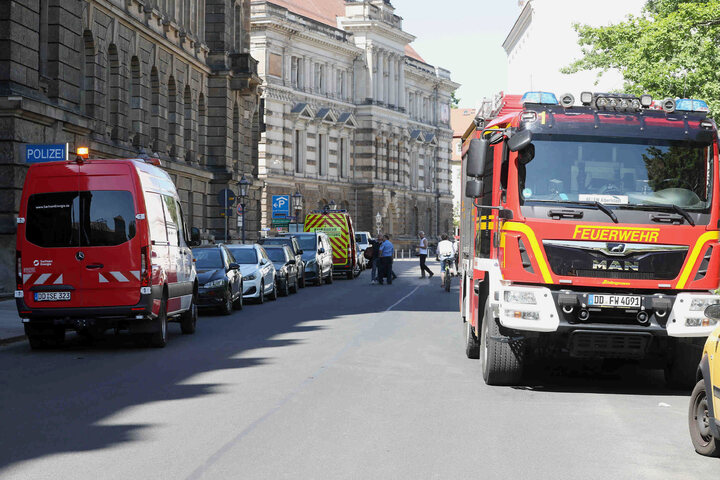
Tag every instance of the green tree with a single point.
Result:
(454, 101)
(671, 50)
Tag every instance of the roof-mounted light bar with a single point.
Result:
(617, 102)
(541, 98)
(691, 105)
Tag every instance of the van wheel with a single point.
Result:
(188, 320)
(699, 423)
(319, 280)
(350, 275)
(160, 337)
(329, 278)
(227, 306)
(502, 357)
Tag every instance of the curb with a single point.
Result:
(9, 340)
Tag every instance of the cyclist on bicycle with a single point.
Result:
(446, 255)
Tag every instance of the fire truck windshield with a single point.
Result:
(631, 172)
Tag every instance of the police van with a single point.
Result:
(103, 244)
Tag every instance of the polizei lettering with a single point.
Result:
(616, 265)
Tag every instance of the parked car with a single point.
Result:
(103, 244)
(291, 241)
(285, 268)
(219, 279)
(257, 270)
(362, 240)
(704, 412)
(317, 255)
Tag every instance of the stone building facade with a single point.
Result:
(172, 79)
(353, 115)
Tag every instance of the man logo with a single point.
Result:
(616, 247)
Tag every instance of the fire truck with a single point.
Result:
(589, 230)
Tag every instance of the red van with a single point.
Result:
(102, 244)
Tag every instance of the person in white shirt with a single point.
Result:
(423, 252)
(446, 254)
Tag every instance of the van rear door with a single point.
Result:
(110, 240)
(51, 241)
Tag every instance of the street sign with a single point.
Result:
(280, 222)
(280, 206)
(226, 195)
(240, 221)
(240, 210)
(226, 212)
(46, 153)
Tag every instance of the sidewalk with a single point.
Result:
(11, 328)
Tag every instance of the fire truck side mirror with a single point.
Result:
(473, 188)
(520, 140)
(477, 152)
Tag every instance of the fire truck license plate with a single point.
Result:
(619, 301)
(52, 296)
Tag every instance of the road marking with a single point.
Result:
(402, 299)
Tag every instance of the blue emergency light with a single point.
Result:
(691, 105)
(542, 98)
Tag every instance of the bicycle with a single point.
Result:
(446, 271)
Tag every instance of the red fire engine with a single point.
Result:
(589, 231)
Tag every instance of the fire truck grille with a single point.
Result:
(584, 344)
(592, 259)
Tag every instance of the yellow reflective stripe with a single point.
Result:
(690, 265)
(534, 246)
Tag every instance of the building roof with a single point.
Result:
(327, 12)
(460, 120)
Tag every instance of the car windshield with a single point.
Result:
(631, 172)
(361, 238)
(244, 256)
(277, 241)
(276, 254)
(307, 242)
(207, 258)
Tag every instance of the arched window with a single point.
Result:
(114, 92)
(89, 91)
(387, 160)
(136, 104)
(155, 123)
(202, 129)
(236, 137)
(173, 120)
(189, 130)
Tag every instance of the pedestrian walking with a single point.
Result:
(423, 252)
(387, 249)
(375, 262)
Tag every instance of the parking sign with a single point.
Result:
(281, 206)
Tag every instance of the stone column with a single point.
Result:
(381, 77)
(372, 73)
(401, 84)
(392, 84)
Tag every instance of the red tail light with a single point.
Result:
(18, 270)
(145, 266)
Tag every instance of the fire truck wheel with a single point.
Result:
(501, 356)
(681, 372)
(160, 337)
(699, 422)
(188, 320)
(472, 346)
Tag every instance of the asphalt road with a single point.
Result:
(341, 381)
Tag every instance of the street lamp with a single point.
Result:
(297, 203)
(378, 222)
(243, 185)
(332, 205)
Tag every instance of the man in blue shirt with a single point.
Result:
(386, 260)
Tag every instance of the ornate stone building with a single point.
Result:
(170, 78)
(353, 114)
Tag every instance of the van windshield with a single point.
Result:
(90, 218)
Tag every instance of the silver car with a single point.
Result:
(257, 270)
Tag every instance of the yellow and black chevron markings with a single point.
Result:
(335, 226)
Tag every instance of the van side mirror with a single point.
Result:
(520, 140)
(321, 250)
(477, 153)
(194, 237)
(713, 312)
(473, 188)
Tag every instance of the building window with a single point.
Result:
(295, 72)
(299, 151)
(387, 160)
(343, 158)
(322, 154)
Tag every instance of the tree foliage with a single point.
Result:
(671, 50)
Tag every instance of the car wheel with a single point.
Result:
(329, 278)
(274, 293)
(302, 279)
(286, 288)
(294, 288)
(319, 279)
(160, 337)
(699, 422)
(227, 305)
(261, 295)
(188, 320)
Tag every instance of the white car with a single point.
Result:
(362, 240)
(257, 270)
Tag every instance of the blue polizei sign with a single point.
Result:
(46, 153)
(281, 206)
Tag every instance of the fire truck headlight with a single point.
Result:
(700, 322)
(524, 315)
(700, 304)
(519, 296)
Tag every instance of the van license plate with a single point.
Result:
(52, 296)
(617, 301)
